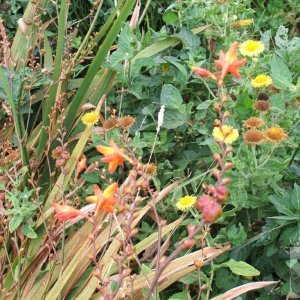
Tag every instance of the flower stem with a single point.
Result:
(254, 156)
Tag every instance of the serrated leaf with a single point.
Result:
(282, 205)
(29, 232)
(15, 222)
(240, 268)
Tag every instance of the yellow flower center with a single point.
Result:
(90, 118)
(252, 46)
(261, 79)
(186, 203)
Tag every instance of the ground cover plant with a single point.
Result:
(149, 149)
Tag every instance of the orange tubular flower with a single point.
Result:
(65, 212)
(113, 156)
(104, 200)
(229, 62)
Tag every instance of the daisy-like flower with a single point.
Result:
(262, 106)
(113, 155)
(242, 23)
(252, 48)
(105, 200)
(65, 212)
(253, 122)
(186, 202)
(261, 80)
(275, 134)
(91, 118)
(226, 134)
(253, 137)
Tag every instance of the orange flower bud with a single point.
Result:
(228, 165)
(187, 244)
(80, 165)
(226, 181)
(203, 72)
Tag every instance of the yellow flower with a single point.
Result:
(90, 118)
(226, 134)
(275, 134)
(251, 48)
(261, 80)
(185, 203)
(242, 23)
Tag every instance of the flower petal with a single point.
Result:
(110, 190)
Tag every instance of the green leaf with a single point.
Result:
(28, 231)
(179, 296)
(205, 104)
(240, 268)
(282, 205)
(188, 38)
(91, 177)
(15, 222)
(236, 234)
(170, 96)
(295, 198)
(281, 76)
(174, 118)
(170, 18)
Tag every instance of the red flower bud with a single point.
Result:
(217, 157)
(221, 193)
(226, 181)
(80, 165)
(210, 209)
(228, 165)
(203, 72)
(187, 244)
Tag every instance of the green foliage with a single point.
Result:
(22, 208)
(92, 58)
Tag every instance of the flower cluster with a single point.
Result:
(105, 200)
(228, 63)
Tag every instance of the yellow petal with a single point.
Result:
(92, 199)
(105, 150)
(110, 190)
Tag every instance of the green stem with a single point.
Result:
(254, 157)
(86, 39)
(144, 11)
